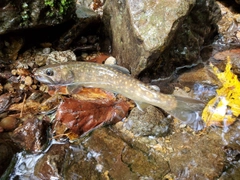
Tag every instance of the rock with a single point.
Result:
(5, 101)
(157, 34)
(151, 122)
(108, 157)
(7, 151)
(202, 75)
(56, 57)
(10, 46)
(8, 123)
(31, 136)
(233, 54)
(85, 17)
(232, 173)
(32, 14)
(228, 26)
(50, 165)
(188, 154)
(191, 157)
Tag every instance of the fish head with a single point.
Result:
(54, 75)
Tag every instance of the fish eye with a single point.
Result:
(49, 72)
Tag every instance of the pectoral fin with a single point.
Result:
(73, 89)
(141, 106)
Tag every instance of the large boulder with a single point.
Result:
(159, 36)
(24, 14)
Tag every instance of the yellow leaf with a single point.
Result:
(225, 107)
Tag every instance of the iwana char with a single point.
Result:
(115, 79)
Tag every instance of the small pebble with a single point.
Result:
(43, 88)
(111, 61)
(28, 81)
(8, 123)
(8, 87)
(182, 126)
(40, 60)
(46, 50)
(22, 86)
(187, 89)
(14, 72)
(34, 86)
(84, 55)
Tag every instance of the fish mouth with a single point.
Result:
(43, 79)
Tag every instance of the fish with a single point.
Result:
(118, 80)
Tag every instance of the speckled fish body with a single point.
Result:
(109, 78)
(106, 77)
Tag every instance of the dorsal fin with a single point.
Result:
(119, 68)
(155, 87)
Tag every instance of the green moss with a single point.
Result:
(25, 15)
(49, 3)
(58, 7)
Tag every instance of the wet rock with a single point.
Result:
(5, 101)
(150, 122)
(7, 151)
(28, 14)
(233, 55)
(85, 17)
(232, 136)
(228, 25)
(231, 173)
(31, 136)
(204, 92)
(50, 165)
(189, 155)
(10, 46)
(202, 75)
(108, 157)
(157, 34)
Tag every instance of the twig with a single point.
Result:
(24, 99)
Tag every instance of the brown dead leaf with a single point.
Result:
(77, 116)
(5, 101)
(37, 102)
(100, 58)
(50, 103)
(28, 106)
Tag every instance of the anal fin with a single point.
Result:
(141, 106)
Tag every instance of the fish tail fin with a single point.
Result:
(189, 112)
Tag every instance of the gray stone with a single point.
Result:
(153, 34)
(150, 122)
(17, 15)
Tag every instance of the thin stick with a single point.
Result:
(24, 99)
